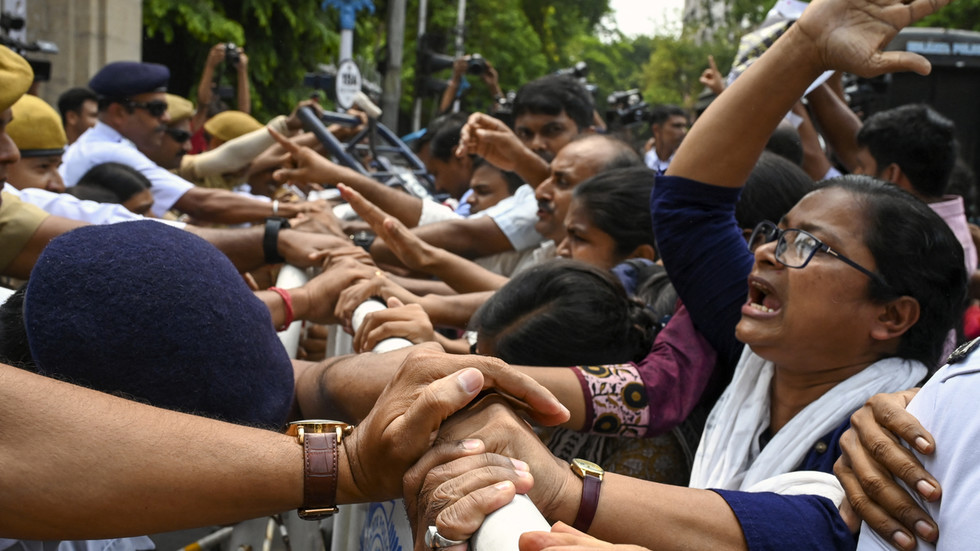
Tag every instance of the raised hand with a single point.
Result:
(849, 36)
(491, 139)
(414, 253)
(308, 165)
(712, 77)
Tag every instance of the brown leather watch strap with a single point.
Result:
(320, 475)
(591, 485)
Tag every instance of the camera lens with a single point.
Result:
(232, 56)
(476, 65)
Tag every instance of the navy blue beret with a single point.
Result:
(122, 79)
(159, 315)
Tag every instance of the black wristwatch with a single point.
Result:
(270, 241)
(363, 239)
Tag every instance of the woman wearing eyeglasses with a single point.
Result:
(853, 292)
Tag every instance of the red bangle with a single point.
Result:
(286, 298)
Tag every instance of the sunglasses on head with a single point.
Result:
(179, 136)
(155, 108)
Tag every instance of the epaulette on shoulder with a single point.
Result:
(963, 351)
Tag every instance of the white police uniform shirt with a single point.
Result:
(103, 144)
(514, 215)
(946, 407)
(73, 208)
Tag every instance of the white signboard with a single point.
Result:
(348, 83)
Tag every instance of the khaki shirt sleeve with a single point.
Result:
(18, 222)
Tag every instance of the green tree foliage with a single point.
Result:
(962, 14)
(283, 40)
(524, 39)
(672, 71)
(498, 30)
(558, 24)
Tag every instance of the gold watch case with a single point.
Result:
(585, 468)
(298, 428)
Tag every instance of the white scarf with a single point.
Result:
(729, 456)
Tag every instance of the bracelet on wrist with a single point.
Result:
(287, 299)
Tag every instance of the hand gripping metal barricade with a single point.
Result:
(380, 526)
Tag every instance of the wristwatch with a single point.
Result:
(363, 239)
(270, 239)
(591, 475)
(320, 439)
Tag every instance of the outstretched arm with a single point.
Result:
(105, 466)
(204, 91)
(829, 35)
(837, 123)
(244, 91)
(464, 276)
(467, 237)
(314, 168)
(491, 139)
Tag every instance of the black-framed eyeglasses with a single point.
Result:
(179, 136)
(155, 108)
(795, 248)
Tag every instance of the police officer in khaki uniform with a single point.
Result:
(24, 229)
(36, 130)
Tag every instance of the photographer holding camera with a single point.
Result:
(234, 58)
(475, 65)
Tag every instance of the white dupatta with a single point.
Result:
(729, 456)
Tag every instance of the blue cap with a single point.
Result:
(159, 315)
(122, 79)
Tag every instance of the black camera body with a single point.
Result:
(476, 65)
(232, 54)
(580, 70)
(626, 108)
(41, 67)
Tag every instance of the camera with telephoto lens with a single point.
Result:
(476, 65)
(626, 107)
(232, 54)
(41, 67)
